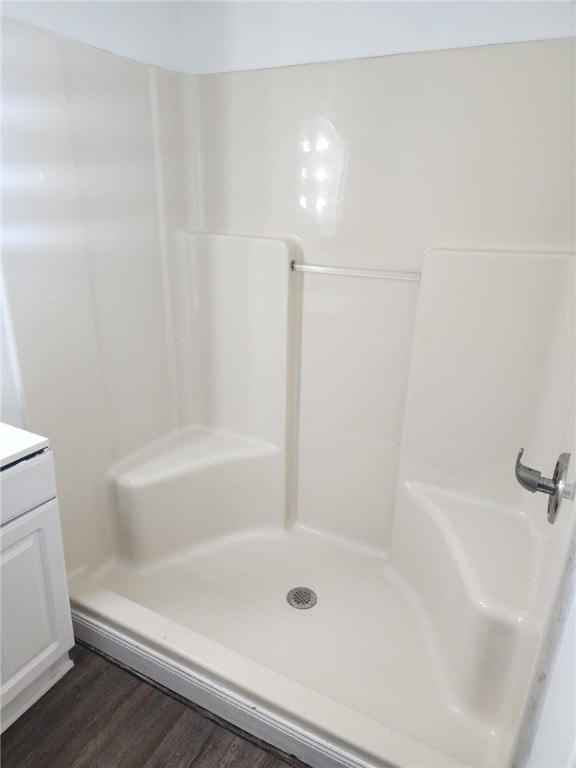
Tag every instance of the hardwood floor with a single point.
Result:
(102, 716)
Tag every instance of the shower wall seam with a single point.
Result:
(194, 172)
(163, 245)
(296, 303)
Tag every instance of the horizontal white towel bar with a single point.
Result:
(381, 274)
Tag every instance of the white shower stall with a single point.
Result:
(290, 328)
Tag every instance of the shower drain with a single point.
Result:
(301, 597)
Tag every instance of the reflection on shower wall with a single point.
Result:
(321, 173)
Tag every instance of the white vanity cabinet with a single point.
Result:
(36, 625)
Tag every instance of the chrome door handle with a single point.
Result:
(556, 487)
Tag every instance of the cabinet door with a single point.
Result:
(36, 622)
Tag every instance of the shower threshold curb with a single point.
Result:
(200, 689)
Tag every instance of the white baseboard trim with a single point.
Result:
(252, 717)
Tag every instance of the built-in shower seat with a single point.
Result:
(193, 486)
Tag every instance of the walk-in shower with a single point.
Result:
(286, 411)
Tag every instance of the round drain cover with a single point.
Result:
(302, 597)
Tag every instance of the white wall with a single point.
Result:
(149, 32)
(254, 35)
(11, 405)
(214, 36)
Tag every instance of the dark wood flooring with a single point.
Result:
(103, 716)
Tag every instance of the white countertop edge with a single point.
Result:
(16, 444)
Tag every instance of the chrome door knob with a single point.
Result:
(556, 487)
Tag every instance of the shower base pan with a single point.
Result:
(355, 680)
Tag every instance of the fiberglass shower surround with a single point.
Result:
(460, 573)
(237, 413)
